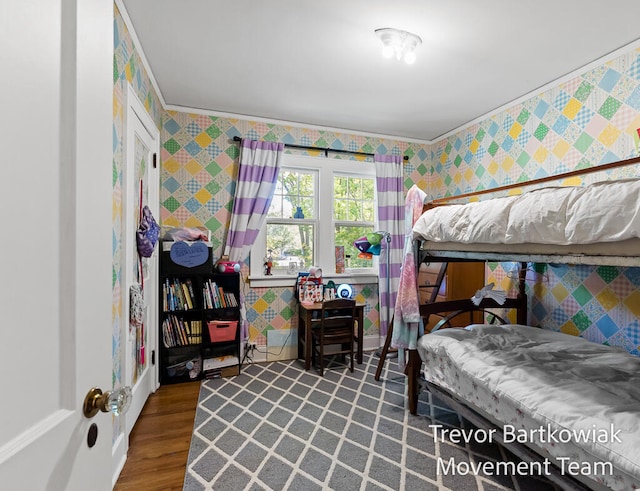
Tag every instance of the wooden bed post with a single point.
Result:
(521, 316)
(412, 371)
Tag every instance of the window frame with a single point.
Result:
(326, 168)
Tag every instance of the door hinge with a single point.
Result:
(153, 357)
(155, 160)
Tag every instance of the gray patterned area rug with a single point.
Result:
(277, 427)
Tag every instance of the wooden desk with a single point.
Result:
(305, 316)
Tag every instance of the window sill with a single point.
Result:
(290, 280)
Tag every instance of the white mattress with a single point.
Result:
(623, 253)
(538, 379)
(607, 211)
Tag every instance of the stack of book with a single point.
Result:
(179, 332)
(214, 296)
(177, 295)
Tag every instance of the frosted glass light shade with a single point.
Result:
(400, 43)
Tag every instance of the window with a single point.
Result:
(353, 215)
(291, 221)
(318, 204)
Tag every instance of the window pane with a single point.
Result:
(294, 188)
(353, 199)
(290, 246)
(307, 207)
(340, 211)
(340, 187)
(346, 236)
(355, 188)
(368, 212)
(277, 203)
(367, 189)
(355, 211)
(306, 184)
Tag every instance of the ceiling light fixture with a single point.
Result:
(402, 44)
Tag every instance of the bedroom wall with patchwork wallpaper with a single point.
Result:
(199, 165)
(199, 162)
(585, 121)
(589, 120)
(127, 69)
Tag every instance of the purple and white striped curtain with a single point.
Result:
(389, 180)
(257, 177)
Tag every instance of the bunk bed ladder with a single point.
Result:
(435, 288)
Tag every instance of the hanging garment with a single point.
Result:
(406, 318)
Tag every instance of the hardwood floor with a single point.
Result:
(159, 442)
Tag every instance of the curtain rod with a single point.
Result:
(325, 150)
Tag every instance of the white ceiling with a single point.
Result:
(319, 63)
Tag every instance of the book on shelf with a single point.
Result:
(187, 296)
(177, 295)
(189, 284)
(195, 336)
(231, 299)
(223, 302)
(182, 325)
(180, 332)
(214, 296)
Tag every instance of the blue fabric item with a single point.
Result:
(147, 233)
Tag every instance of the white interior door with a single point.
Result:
(57, 100)
(141, 183)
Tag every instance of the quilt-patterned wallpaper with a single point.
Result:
(199, 164)
(591, 119)
(127, 68)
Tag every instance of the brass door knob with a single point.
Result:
(116, 401)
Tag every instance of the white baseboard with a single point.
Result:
(261, 355)
(372, 343)
(119, 457)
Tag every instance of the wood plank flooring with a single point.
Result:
(159, 442)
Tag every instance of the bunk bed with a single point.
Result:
(500, 375)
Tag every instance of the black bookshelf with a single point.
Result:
(199, 322)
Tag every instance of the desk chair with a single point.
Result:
(335, 327)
